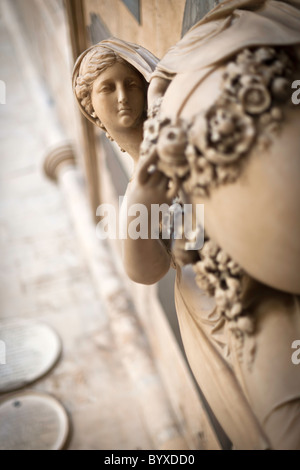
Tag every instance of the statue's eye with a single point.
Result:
(132, 83)
(106, 88)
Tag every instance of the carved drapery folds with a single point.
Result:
(220, 277)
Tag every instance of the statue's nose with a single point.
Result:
(122, 95)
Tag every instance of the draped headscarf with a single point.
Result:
(229, 28)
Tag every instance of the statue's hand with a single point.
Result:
(149, 185)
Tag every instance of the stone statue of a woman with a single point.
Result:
(227, 88)
(239, 322)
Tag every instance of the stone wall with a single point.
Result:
(157, 27)
(44, 27)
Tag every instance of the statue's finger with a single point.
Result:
(146, 168)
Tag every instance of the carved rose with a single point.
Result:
(151, 129)
(264, 55)
(155, 108)
(281, 88)
(254, 98)
(219, 276)
(224, 134)
(171, 146)
(202, 173)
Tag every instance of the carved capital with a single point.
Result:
(57, 158)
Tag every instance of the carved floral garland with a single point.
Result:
(221, 277)
(210, 150)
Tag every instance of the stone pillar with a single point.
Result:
(58, 159)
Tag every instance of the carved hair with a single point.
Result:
(93, 64)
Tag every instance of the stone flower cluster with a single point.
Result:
(164, 145)
(211, 148)
(221, 277)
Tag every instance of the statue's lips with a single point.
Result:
(124, 110)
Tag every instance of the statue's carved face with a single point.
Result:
(118, 98)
